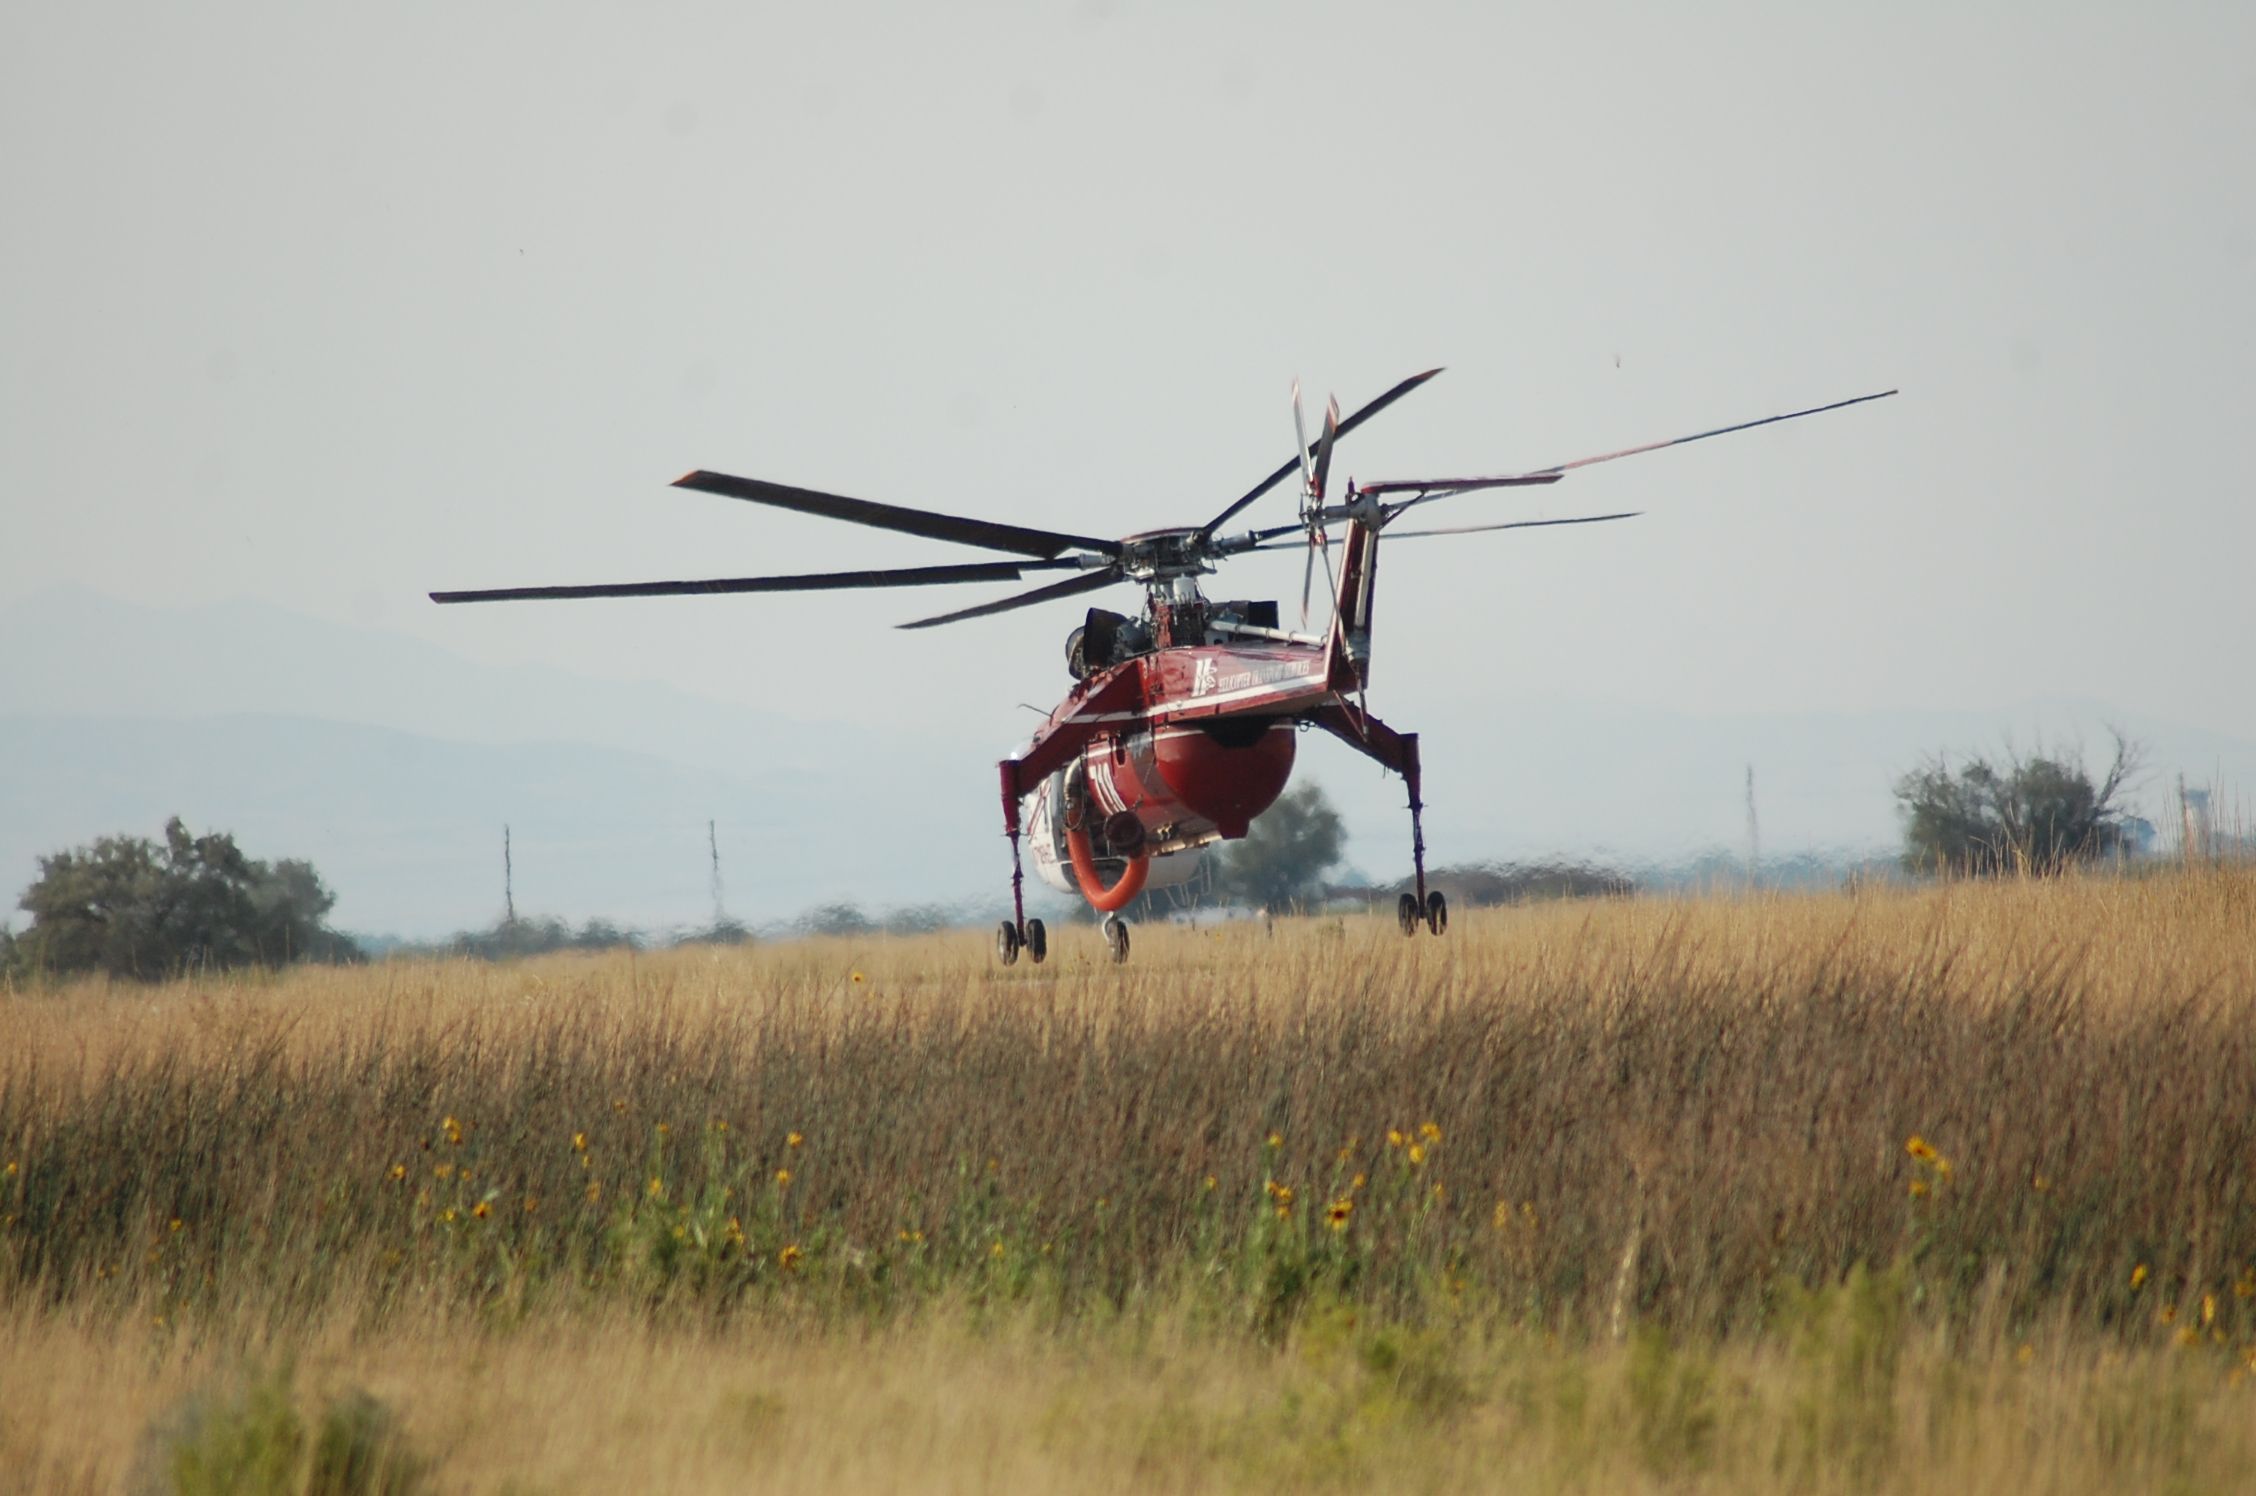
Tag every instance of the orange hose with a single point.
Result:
(1102, 899)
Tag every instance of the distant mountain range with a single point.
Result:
(392, 765)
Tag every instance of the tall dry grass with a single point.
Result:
(1669, 1123)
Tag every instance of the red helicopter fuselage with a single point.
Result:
(1183, 730)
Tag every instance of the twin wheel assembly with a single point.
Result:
(1035, 940)
(1434, 915)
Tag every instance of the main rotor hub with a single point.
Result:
(1160, 555)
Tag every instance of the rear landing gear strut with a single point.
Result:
(1398, 751)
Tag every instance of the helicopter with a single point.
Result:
(1182, 721)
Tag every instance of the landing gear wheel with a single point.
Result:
(1038, 940)
(1408, 915)
(1116, 937)
(1006, 943)
(1437, 913)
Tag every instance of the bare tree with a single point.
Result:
(2037, 814)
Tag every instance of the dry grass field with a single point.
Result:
(1901, 1190)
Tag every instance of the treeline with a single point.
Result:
(509, 937)
(139, 909)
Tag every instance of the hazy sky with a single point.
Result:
(329, 306)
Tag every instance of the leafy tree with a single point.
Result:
(2032, 815)
(1284, 856)
(135, 908)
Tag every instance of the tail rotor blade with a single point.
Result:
(1324, 448)
(1300, 436)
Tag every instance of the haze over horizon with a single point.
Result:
(318, 312)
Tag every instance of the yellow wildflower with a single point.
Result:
(446, 1216)
(579, 1142)
(481, 1210)
(1417, 1154)
(788, 1258)
(2168, 1315)
(910, 1238)
(10, 1171)
(857, 976)
(1431, 1132)
(783, 1179)
(792, 1140)
(2138, 1277)
(2208, 1304)
(444, 1171)
(996, 1251)
(1916, 1146)
(594, 1192)
(657, 1188)
(2026, 1354)
(618, 1103)
(175, 1223)
(665, 1129)
(1357, 1182)
(1336, 1215)
(532, 1203)
(2187, 1336)
(1918, 1188)
(399, 1172)
(1394, 1137)
(1284, 1195)
(1276, 1140)
(2040, 1183)
(1212, 1182)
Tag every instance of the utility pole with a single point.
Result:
(1754, 835)
(508, 880)
(713, 845)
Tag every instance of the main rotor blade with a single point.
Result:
(1303, 455)
(1701, 436)
(1435, 488)
(828, 581)
(926, 522)
(1517, 524)
(1067, 588)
